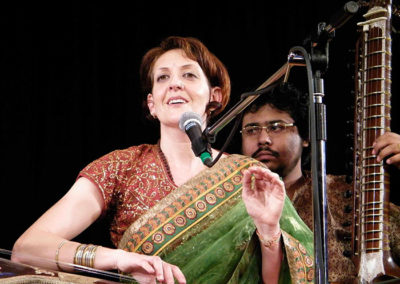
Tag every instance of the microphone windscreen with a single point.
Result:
(189, 117)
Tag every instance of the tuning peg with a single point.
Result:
(349, 179)
(348, 193)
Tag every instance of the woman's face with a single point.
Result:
(179, 85)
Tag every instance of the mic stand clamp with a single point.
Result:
(320, 48)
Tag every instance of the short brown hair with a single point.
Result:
(194, 49)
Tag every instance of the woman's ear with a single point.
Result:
(150, 104)
(216, 95)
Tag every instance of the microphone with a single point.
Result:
(341, 17)
(190, 122)
(326, 31)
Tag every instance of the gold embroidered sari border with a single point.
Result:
(194, 223)
(203, 183)
(301, 263)
(189, 205)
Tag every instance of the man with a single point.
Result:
(275, 131)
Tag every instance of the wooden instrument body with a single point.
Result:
(371, 251)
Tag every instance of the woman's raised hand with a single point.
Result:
(264, 196)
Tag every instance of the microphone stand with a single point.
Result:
(319, 58)
(318, 137)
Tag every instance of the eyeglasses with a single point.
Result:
(272, 128)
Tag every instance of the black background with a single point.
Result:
(70, 89)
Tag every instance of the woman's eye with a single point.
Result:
(189, 75)
(162, 78)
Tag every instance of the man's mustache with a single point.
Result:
(267, 149)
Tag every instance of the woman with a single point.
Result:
(166, 203)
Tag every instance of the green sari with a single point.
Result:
(203, 228)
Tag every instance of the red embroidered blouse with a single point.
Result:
(131, 181)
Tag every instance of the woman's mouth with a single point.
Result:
(176, 101)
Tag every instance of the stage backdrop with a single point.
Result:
(70, 89)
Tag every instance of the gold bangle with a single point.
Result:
(271, 242)
(57, 253)
(91, 256)
(88, 255)
(79, 253)
(91, 264)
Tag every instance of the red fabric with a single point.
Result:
(131, 181)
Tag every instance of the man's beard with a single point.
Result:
(265, 148)
(276, 166)
(266, 161)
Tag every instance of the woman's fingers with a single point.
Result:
(167, 273)
(178, 274)
(263, 178)
(158, 267)
(148, 269)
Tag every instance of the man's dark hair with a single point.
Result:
(286, 97)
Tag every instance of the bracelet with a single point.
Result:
(88, 256)
(91, 262)
(271, 242)
(57, 253)
(79, 254)
(85, 254)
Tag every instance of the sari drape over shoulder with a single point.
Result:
(203, 228)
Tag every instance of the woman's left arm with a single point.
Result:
(264, 196)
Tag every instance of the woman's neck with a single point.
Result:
(176, 144)
(177, 149)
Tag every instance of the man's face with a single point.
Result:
(281, 150)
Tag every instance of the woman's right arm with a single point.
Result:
(70, 216)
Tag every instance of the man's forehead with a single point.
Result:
(266, 114)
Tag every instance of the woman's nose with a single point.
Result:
(176, 84)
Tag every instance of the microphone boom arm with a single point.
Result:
(247, 98)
